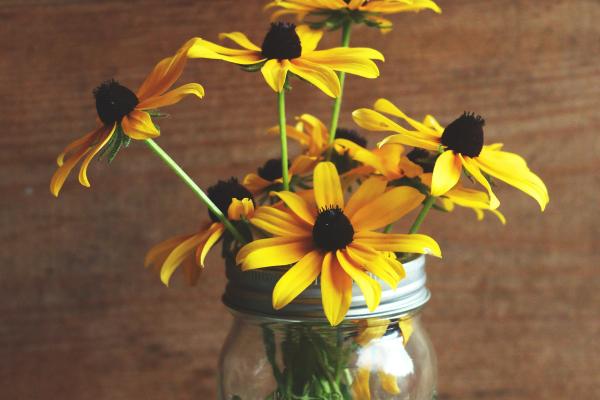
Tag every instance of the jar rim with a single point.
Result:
(250, 292)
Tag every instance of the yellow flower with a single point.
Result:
(373, 355)
(461, 146)
(370, 10)
(268, 177)
(190, 251)
(461, 196)
(335, 240)
(123, 115)
(287, 48)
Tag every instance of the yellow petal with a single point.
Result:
(344, 60)
(180, 253)
(280, 223)
(302, 164)
(446, 173)
(374, 262)
(389, 382)
(327, 186)
(239, 209)
(271, 252)
(386, 106)
(172, 97)
(81, 143)
(83, 178)
(368, 286)
(211, 237)
(512, 169)
(336, 290)
(473, 169)
(407, 329)
(321, 76)
(241, 39)
(61, 174)
(204, 49)
(367, 192)
(360, 154)
(396, 242)
(309, 38)
(371, 329)
(297, 278)
(298, 206)
(360, 385)
(159, 252)
(387, 208)
(275, 72)
(138, 125)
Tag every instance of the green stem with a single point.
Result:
(283, 138)
(429, 201)
(337, 105)
(195, 188)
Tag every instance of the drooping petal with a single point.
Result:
(138, 125)
(397, 242)
(346, 60)
(81, 143)
(473, 169)
(376, 263)
(360, 154)
(336, 290)
(211, 237)
(297, 278)
(83, 178)
(309, 38)
(386, 106)
(387, 208)
(275, 73)
(279, 223)
(241, 39)
(159, 252)
(367, 192)
(176, 257)
(327, 186)
(368, 286)
(172, 97)
(204, 49)
(512, 169)
(298, 206)
(271, 252)
(446, 173)
(319, 75)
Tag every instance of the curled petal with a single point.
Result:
(138, 125)
(446, 173)
(172, 97)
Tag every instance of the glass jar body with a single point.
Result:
(264, 359)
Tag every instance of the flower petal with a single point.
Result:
(138, 125)
(473, 169)
(176, 257)
(83, 142)
(512, 169)
(298, 206)
(376, 263)
(240, 39)
(204, 49)
(83, 178)
(386, 106)
(239, 209)
(309, 38)
(327, 186)
(389, 382)
(297, 278)
(275, 73)
(368, 286)
(446, 173)
(336, 290)
(211, 236)
(159, 252)
(367, 192)
(345, 60)
(279, 223)
(271, 252)
(172, 97)
(360, 154)
(321, 76)
(396, 242)
(387, 208)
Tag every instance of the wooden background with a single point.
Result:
(515, 312)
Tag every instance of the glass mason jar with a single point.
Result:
(294, 353)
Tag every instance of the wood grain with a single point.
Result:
(516, 309)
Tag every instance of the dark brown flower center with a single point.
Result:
(423, 158)
(465, 135)
(282, 42)
(114, 101)
(271, 170)
(351, 135)
(332, 229)
(222, 192)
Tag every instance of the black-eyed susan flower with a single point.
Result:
(189, 251)
(335, 240)
(124, 115)
(461, 145)
(380, 350)
(290, 49)
(332, 13)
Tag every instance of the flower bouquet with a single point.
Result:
(326, 297)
